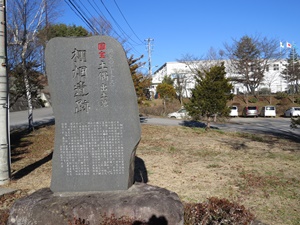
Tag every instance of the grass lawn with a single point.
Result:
(257, 171)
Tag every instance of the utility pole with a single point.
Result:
(4, 101)
(47, 35)
(149, 55)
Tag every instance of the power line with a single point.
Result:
(83, 17)
(122, 31)
(82, 14)
(101, 15)
(125, 34)
(77, 14)
(91, 16)
(127, 22)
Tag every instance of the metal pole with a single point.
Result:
(4, 101)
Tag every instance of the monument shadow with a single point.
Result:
(28, 169)
(140, 171)
(154, 221)
(194, 123)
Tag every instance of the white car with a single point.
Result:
(268, 111)
(292, 112)
(234, 112)
(180, 114)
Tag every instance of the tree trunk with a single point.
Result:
(181, 99)
(270, 95)
(246, 99)
(27, 86)
(165, 107)
(208, 123)
(29, 102)
(252, 91)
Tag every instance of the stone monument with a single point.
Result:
(97, 132)
(96, 114)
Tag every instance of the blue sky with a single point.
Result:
(192, 26)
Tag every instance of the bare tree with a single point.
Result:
(249, 58)
(196, 66)
(181, 79)
(25, 19)
(192, 62)
(102, 26)
(269, 80)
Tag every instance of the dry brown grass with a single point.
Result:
(259, 172)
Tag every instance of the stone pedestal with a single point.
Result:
(140, 203)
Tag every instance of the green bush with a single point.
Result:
(297, 100)
(281, 95)
(253, 100)
(264, 91)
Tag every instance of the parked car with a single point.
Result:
(250, 111)
(292, 112)
(180, 114)
(234, 111)
(268, 111)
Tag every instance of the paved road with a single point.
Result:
(40, 116)
(277, 126)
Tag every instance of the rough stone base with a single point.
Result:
(141, 202)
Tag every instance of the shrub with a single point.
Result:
(216, 211)
(297, 100)
(281, 95)
(253, 100)
(158, 109)
(4, 214)
(264, 91)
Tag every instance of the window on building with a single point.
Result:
(275, 66)
(267, 68)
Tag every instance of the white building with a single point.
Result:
(272, 77)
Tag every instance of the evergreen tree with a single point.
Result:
(141, 82)
(291, 73)
(168, 80)
(17, 85)
(60, 30)
(211, 93)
